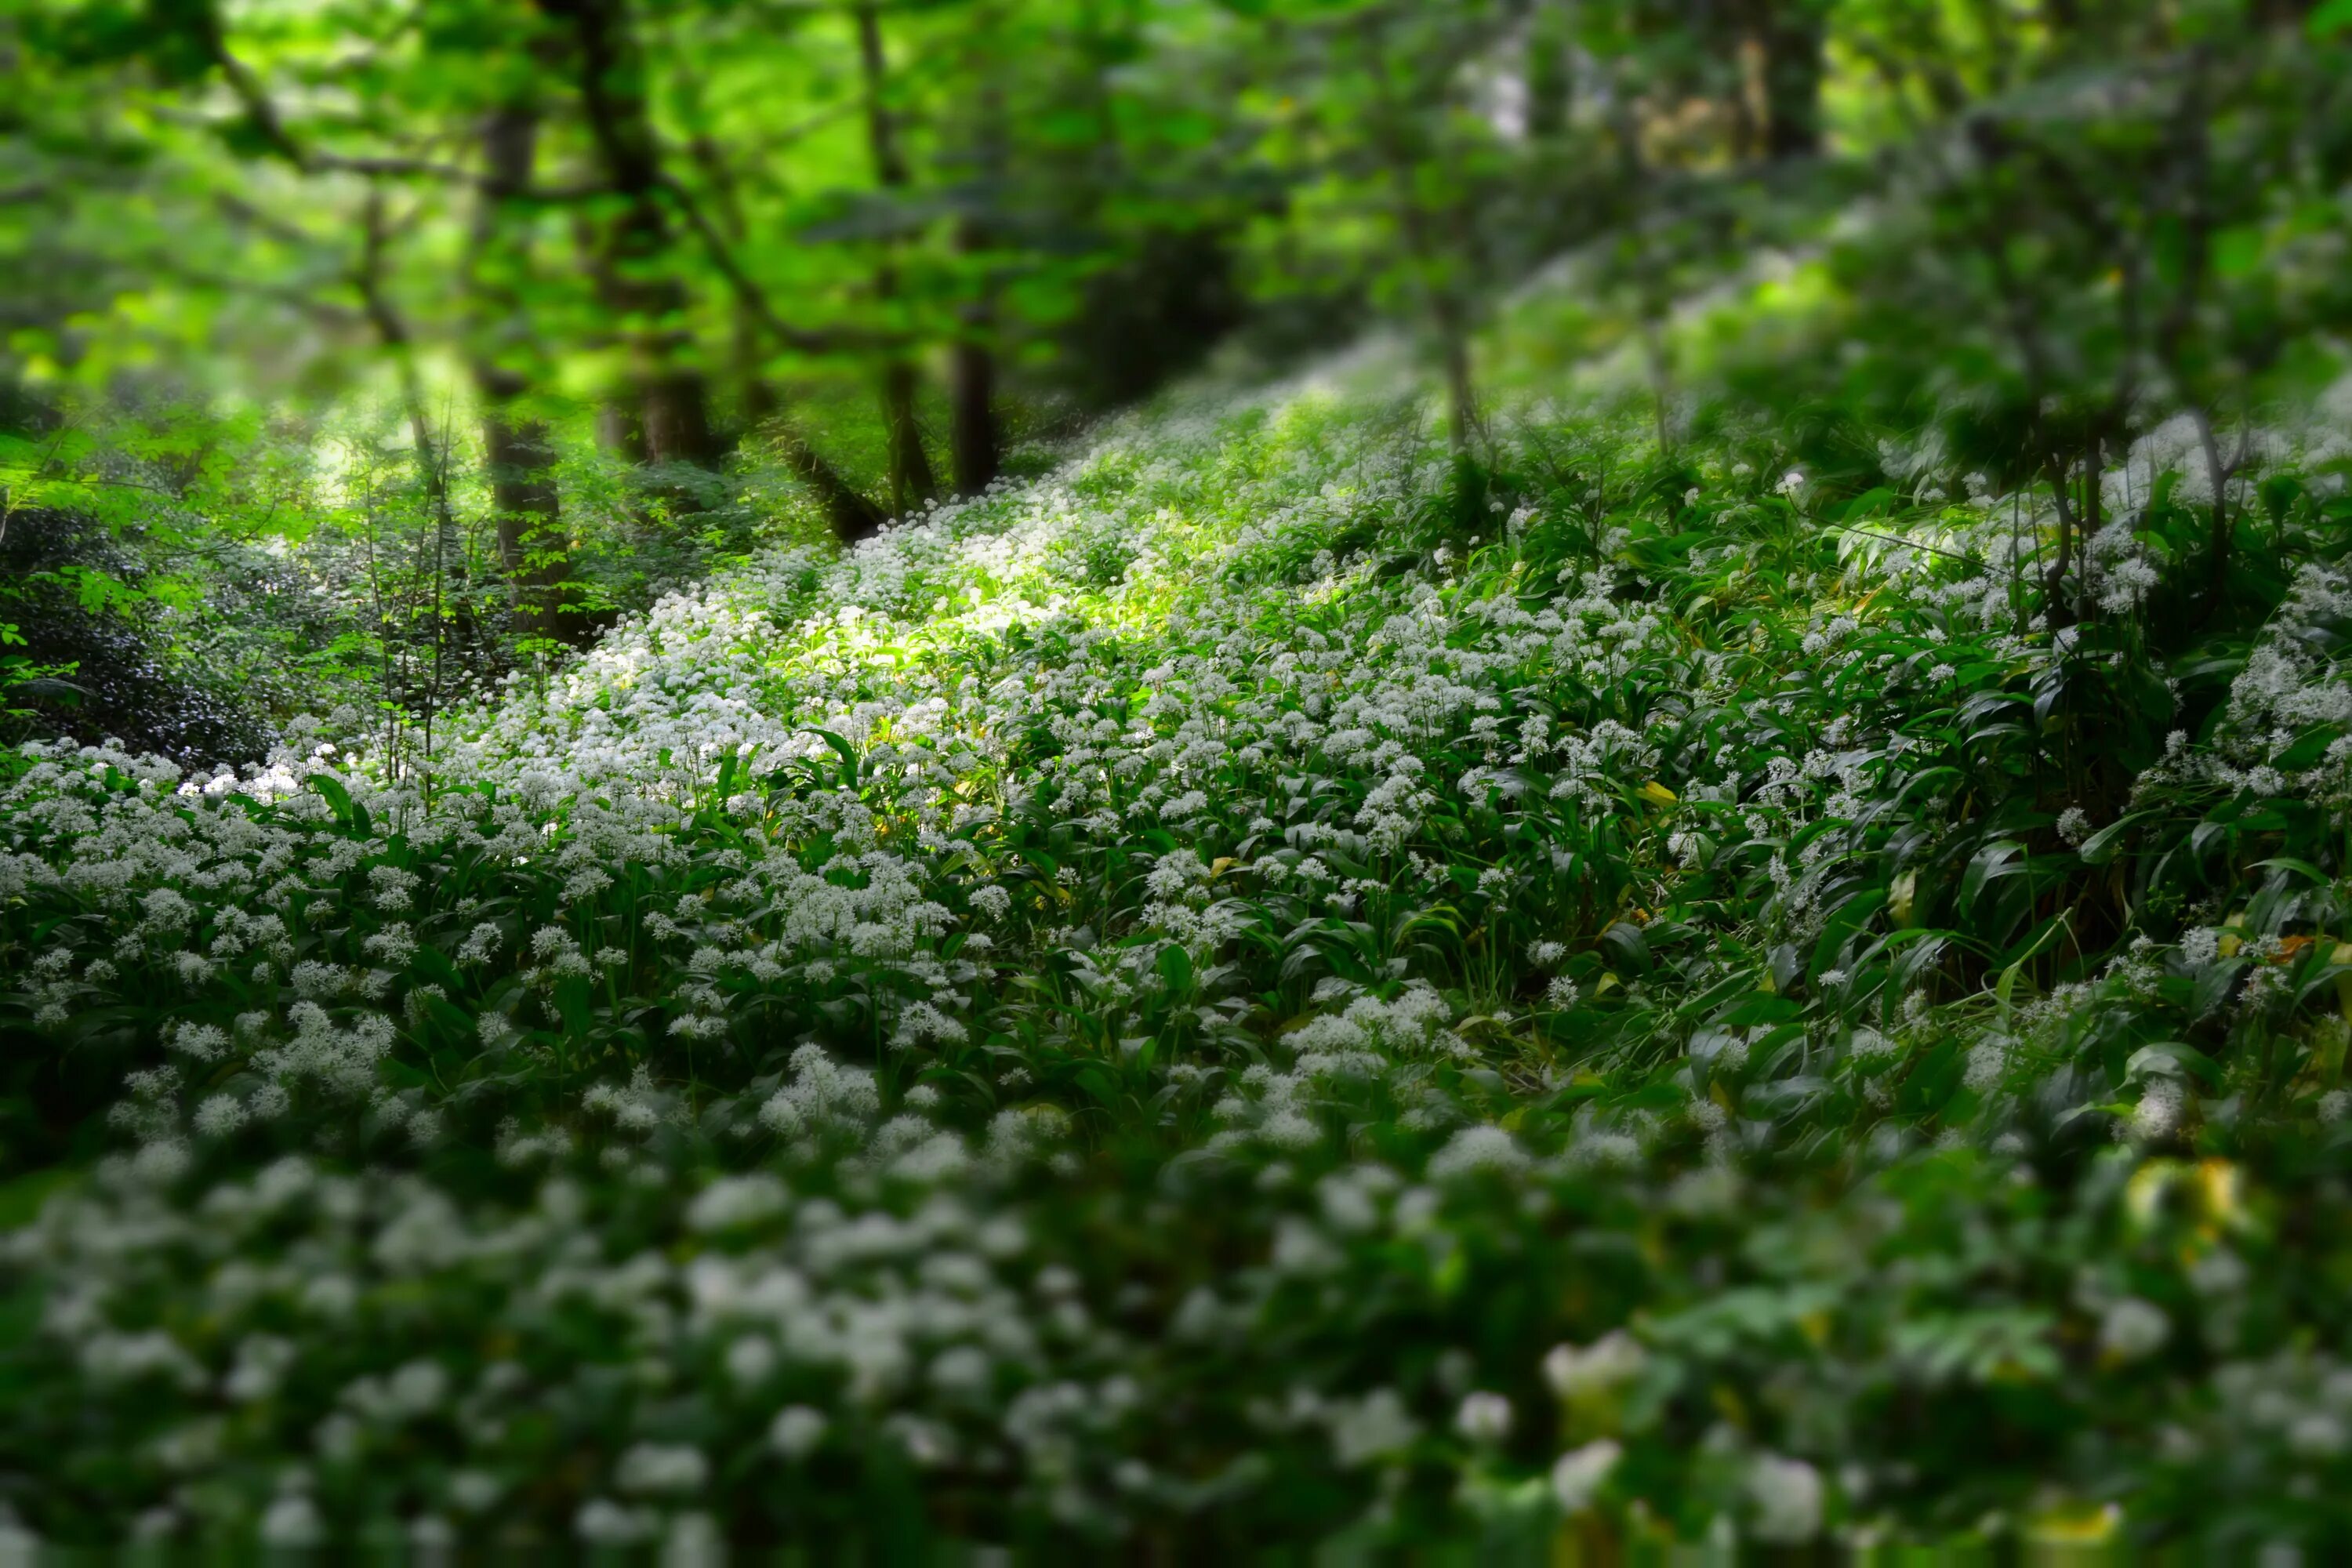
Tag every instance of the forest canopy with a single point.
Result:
(1544, 779)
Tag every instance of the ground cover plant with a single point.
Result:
(1271, 985)
(691, 869)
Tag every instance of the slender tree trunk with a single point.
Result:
(973, 438)
(1654, 352)
(1793, 39)
(1549, 86)
(973, 434)
(531, 546)
(516, 448)
(1442, 294)
(1461, 394)
(2219, 546)
(433, 471)
(671, 391)
(2055, 610)
(911, 481)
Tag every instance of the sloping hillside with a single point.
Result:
(1272, 984)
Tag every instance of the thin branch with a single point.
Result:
(251, 96)
(752, 297)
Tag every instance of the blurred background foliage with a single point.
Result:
(378, 355)
(395, 343)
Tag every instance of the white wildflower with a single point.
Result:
(1578, 1475)
(1788, 1495)
(1482, 1417)
(1614, 1358)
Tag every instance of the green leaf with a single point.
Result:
(2100, 847)
(335, 794)
(2004, 858)
(2167, 1056)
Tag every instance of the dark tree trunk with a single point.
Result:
(1400, 149)
(516, 448)
(1793, 39)
(1549, 86)
(532, 545)
(677, 425)
(973, 434)
(671, 391)
(974, 441)
(1461, 391)
(911, 481)
(853, 516)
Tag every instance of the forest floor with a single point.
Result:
(1275, 984)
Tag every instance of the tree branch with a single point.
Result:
(754, 298)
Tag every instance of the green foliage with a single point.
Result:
(1730, 933)
(1255, 998)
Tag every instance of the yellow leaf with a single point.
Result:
(1657, 794)
(2144, 1191)
(2078, 1525)
(2219, 1178)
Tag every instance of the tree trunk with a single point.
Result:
(974, 442)
(1550, 87)
(1793, 39)
(677, 404)
(973, 434)
(911, 481)
(532, 548)
(1460, 394)
(1441, 292)
(671, 391)
(515, 452)
(516, 448)
(853, 516)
